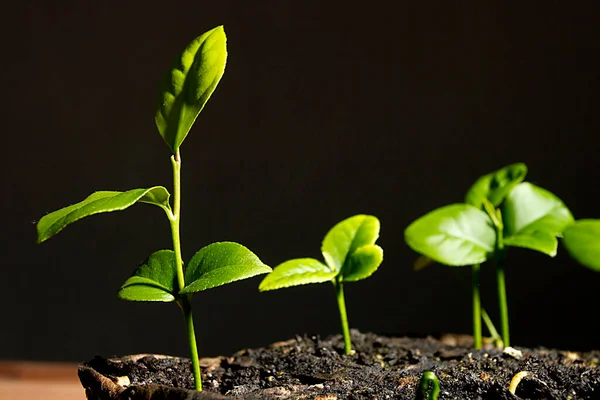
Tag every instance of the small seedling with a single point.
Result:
(350, 255)
(429, 387)
(582, 240)
(500, 211)
(163, 277)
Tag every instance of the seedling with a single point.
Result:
(582, 240)
(429, 387)
(500, 211)
(350, 255)
(163, 277)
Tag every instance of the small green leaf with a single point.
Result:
(582, 240)
(154, 280)
(99, 202)
(189, 85)
(529, 208)
(220, 263)
(541, 241)
(299, 271)
(346, 236)
(496, 185)
(362, 263)
(456, 235)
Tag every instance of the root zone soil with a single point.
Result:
(381, 367)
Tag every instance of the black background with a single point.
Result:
(326, 110)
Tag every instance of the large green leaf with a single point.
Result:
(529, 208)
(346, 236)
(457, 235)
(496, 185)
(189, 84)
(154, 280)
(582, 240)
(220, 263)
(362, 263)
(299, 271)
(99, 202)
(541, 241)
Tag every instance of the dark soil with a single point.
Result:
(381, 368)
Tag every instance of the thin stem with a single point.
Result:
(184, 302)
(339, 293)
(186, 307)
(476, 308)
(490, 326)
(501, 282)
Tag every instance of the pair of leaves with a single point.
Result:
(214, 265)
(582, 240)
(189, 84)
(349, 251)
(99, 202)
(464, 234)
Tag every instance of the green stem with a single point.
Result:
(339, 293)
(490, 326)
(501, 282)
(476, 308)
(184, 302)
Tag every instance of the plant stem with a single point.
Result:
(502, 298)
(476, 308)
(184, 302)
(490, 326)
(339, 293)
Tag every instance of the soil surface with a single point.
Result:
(310, 367)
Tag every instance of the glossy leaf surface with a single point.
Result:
(529, 208)
(456, 235)
(347, 236)
(362, 263)
(221, 263)
(99, 202)
(154, 280)
(541, 241)
(582, 240)
(496, 185)
(189, 84)
(299, 271)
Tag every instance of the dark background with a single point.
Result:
(326, 110)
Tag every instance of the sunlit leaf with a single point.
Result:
(456, 235)
(299, 271)
(496, 185)
(99, 202)
(362, 263)
(582, 240)
(529, 208)
(154, 280)
(541, 241)
(221, 263)
(346, 236)
(189, 84)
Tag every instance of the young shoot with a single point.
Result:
(164, 277)
(350, 254)
(500, 211)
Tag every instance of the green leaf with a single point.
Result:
(541, 241)
(362, 263)
(582, 240)
(154, 280)
(346, 236)
(189, 84)
(299, 271)
(99, 202)
(456, 235)
(220, 263)
(529, 208)
(496, 185)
